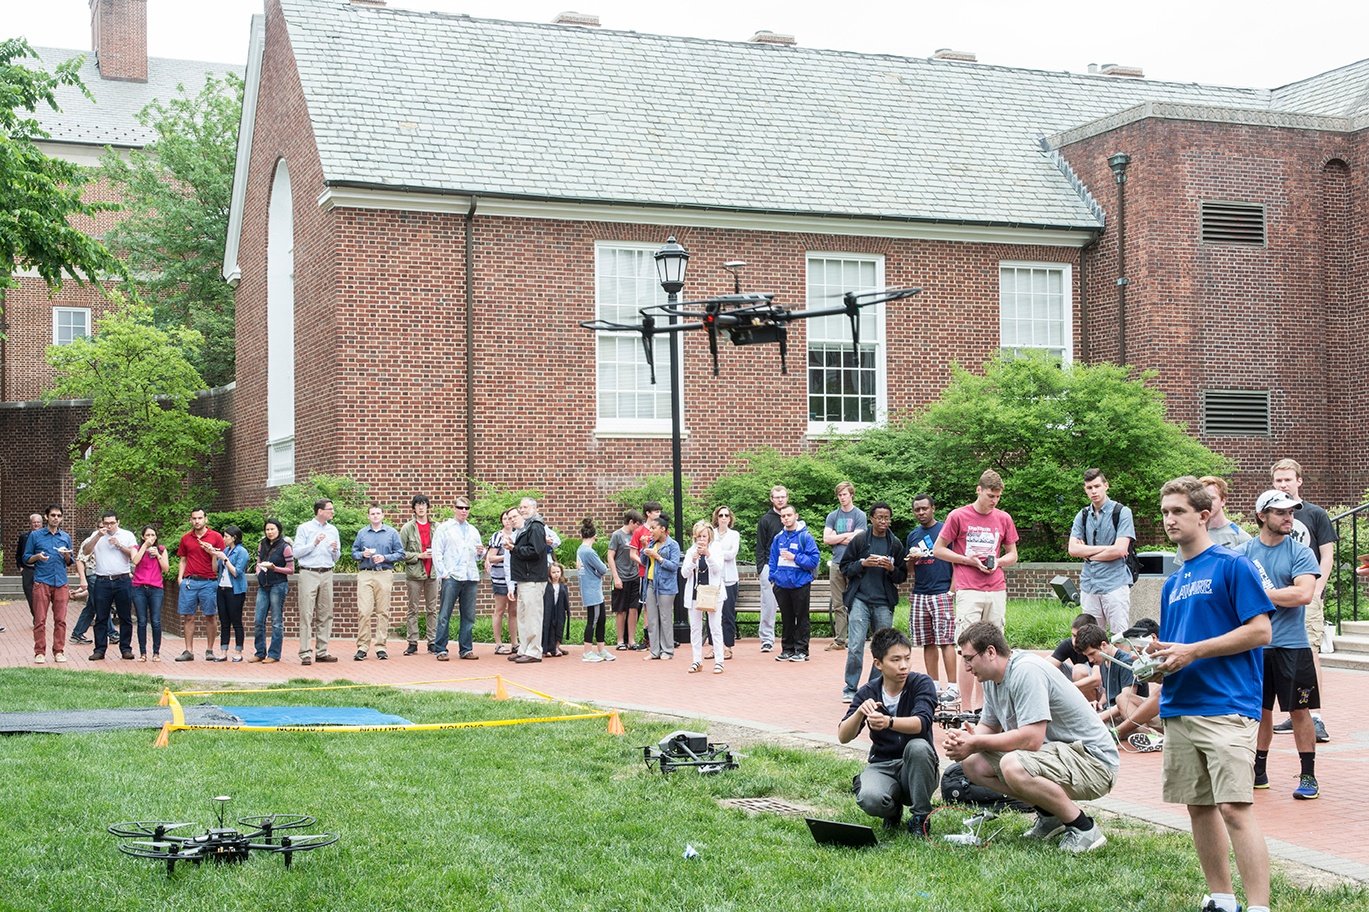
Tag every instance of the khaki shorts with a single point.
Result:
(1083, 776)
(1314, 618)
(1209, 760)
(972, 606)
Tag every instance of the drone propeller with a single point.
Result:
(154, 829)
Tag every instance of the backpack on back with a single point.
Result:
(1133, 561)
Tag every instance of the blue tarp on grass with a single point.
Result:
(313, 715)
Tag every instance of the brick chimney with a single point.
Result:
(118, 35)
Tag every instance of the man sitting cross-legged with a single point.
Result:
(1038, 739)
(898, 708)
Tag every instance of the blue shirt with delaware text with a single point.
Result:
(1212, 594)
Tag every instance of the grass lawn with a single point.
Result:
(557, 816)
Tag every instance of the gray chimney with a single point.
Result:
(768, 37)
(961, 56)
(1117, 69)
(569, 17)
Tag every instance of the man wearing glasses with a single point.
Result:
(1038, 740)
(457, 549)
(112, 587)
(49, 553)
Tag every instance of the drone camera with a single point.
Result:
(756, 334)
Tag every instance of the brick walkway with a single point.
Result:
(803, 700)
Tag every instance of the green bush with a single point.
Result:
(660, 488)
(294, 506)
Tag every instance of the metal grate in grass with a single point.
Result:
(765, 806)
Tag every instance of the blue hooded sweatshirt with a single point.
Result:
(805, 551)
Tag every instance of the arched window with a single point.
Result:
(280, 332)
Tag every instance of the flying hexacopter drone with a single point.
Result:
(748, 319)
(160, 841)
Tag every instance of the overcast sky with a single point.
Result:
(1258, 44)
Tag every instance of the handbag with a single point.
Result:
(706, 597)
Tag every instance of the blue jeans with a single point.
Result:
(87, 618)
(863, 618)
(452, 590)
(112, 596)
(147, 601)
(272, 597)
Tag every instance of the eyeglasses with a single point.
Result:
(969, 657)
(55, 515)
(724, 513)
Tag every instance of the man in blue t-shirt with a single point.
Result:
(1289, 573)
(1101, 537)
(1214, 621)
(931, 607)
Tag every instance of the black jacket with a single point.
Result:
(529, 553)
(766, 530)
(918, 699)
(851, 568)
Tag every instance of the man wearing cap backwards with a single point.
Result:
(1214, 619)
(1313, 528)
(1288, 571)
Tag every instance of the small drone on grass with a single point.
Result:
(685, 750)
(161, 841)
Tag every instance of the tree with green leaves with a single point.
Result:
(40, 195)
(177, 191)
(141, 453)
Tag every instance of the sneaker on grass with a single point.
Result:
(1307, 788)
(1210, 905)
(1080, 841)
(1045, 827)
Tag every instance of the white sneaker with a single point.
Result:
(607, 656)
(951, 694)
(591, 657)
(60, 658)
(39, 659)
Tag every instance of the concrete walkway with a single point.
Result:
(803, 700)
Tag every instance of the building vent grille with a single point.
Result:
(1236, 413)
(1233, 223)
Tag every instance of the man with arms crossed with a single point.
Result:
(843, 524)
(1038, 740)
(1214, 621)
(766, 530)
(1313, 528)
(931, 608)
(1288, 571)
(898, 707)
(1101, 539)
(317, 546)
(978, 540)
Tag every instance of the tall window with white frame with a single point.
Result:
(70, 324)
(280, 332)
(846, 389)
(624, 281)
(1034, 308)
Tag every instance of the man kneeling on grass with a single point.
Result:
(1038, 739)
(898, 708)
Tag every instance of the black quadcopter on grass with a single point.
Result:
(164, 841)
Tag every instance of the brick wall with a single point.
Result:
(1276, 317)
(119, 38)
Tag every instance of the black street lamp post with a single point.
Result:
(671, 261)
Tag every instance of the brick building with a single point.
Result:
(122, 80)
(427, 205)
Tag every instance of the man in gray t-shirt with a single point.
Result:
(1037, 740)
(843, 524)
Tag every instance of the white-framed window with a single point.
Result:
(280, 332)
(70, 324)
(1035, 308)
(626, 400)
(846, 389)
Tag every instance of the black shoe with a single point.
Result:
(917, 826)
(430, 648)
(382, 654)
(97, 656)
(412, 649)
(326, 659)
(893, 820)
(126, 655)
(360, 656)
(784, 657)
(80, 640)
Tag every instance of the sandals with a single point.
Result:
(502, 650)
(727, 652)
(718, 668)
(694, 667)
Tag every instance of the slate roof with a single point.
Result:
(1342, 92)
(452, 103)
(112, 119)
